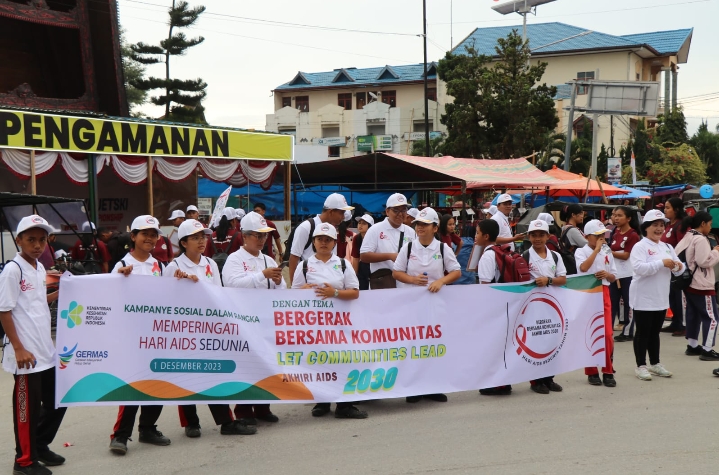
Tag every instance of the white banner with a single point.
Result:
(143, 340)
(614, 170)
(219, 206)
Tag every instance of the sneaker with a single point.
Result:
(710, 355)
(500, 391)
(594, 380)
(618, 327)
(320, 409)
(643, 373)
(609, 381)
(118, 446)
(237, 428)
(436, 397)
(620, 338)
(34, 469)
(154, 437)
(50, 458)
(693, 351)
(413, 399)
(248, 421)
(539, 388)
(659, 370)
(269, 417)
(350, 412)
(193, 432)
(554, 387)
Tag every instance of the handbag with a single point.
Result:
(382, 278)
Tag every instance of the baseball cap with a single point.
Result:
(546, 217)
(255, 222)
(192, 208)
(654, 215)
(88, 227)
(228, 213)
(492, 210)
(413, 212)
(367, 219)
(337, 201)
(348, 215)
(503, 198)
(240, 213)
(397, 199)
(595, 228)
(60, 253)
(325, 229)
(145, 222)
(33, 221)
(190, 227)
(178, 213)
(428, 216)
(538, 225)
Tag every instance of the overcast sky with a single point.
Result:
(245, 55)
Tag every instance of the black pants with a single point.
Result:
(646, 339)
(220, 412)
(363, 273)
(702, 312)
(676, 303)
(619, 290)
(35, 419)
(243, 411)
(126, 420)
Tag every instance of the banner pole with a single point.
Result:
(150, 197)
(33, 181)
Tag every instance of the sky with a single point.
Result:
(251, 47)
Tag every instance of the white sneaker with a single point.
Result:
(643, 373)
(660, 370)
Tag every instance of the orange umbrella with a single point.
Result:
(576, 185)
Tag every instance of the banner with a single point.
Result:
(144, 340)
(373, 143)
(219, 206)
(36, 131)
(614, 170)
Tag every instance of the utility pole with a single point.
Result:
(427, 150)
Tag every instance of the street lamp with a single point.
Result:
(523, 7)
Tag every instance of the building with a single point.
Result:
(350, 110)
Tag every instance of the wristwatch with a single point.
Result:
(337, 293)
(549, 282)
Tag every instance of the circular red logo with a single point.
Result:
(37, 219)
(595, 333)
(540, 328)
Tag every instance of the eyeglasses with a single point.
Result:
(259, 236)
(399, 210)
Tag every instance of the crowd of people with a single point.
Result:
(649, 265)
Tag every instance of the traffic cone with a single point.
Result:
(670, 314)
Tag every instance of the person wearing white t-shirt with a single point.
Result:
(333, 212)
(331, 277)
(504, 208)
(29, 353)
(191, 264)
(145, 231)
(596, 258)
(192, 213)
(177, 217)
(383, 241)
(547, 269)
(423, 262)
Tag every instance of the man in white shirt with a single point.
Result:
(192, 212)
(504, 208)
(177, 217)
(333, 212)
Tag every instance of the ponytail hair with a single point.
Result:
(695, 221)
(570, 210)
(223, 228)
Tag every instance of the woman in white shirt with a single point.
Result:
(653, 262)
(331, 277)
(424, 262)
(191, 264)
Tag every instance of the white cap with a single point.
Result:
(325, 229)
(255, 222)
(348, 215)
(413, 212)
(33, 221)
(397, 199)
(88, 227)
(60, 253)
(595, 228)
(427, 216)
(240, 213)
(192, 208)
(653, 215)
(367, 219)
(228, 213)
(546, 217)
(190, 227)
(538, 225)
(178, 213)
(492, 210)
(145, 222)
(503, 198)
(337, 201)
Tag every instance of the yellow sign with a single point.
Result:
(30, 130)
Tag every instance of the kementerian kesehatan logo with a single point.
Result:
(73, 315)
(540, 329)
(66, 356)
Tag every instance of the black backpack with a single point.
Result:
(304, 268)
(441, 251)
(291, 237)
(684, 281)
(566, 250)
(221, 257)
(525, 254)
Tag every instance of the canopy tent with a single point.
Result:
(633, 194)
(579, 186)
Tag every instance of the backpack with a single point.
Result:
(441, 251)
(525, 255)
(291, 238)
(221, 257)
(683, 281)
(566, 250)
(512, 266)
(553, 243)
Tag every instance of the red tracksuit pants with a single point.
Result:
(608, 337)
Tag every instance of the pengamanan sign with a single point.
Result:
(36, 131)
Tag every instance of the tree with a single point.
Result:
(706, 145)
(188, 94)
(499, 110)
(435, 147)
(672, 128)
(133, 71)
(678, 165)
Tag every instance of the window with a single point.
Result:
(361, 100)
(583, 127)
(432, 94)
(286, 102)
(345, 100)
(302, 103)
(586, 76)
(390, 97)
(333, 152)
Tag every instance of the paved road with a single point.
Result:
(663, 426)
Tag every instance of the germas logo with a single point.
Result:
(73, 314)
(66, 356)
(540, 329)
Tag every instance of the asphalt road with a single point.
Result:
(661, 426)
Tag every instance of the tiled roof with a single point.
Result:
(665, 42)
(361, 77)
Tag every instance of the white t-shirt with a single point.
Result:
(206, 270)
(299, 241)
(244, 270)
(426, 259)
(330, 272)
(603, 261)
(650, 283)
(505, 230)
(487, 269)
(26, 298)
(150, 267)
(383, 238)
(546, 267)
